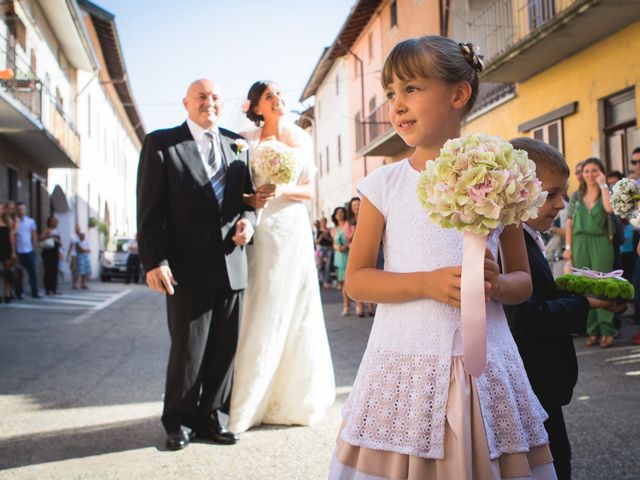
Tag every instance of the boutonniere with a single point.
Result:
(239, 146)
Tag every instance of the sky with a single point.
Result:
(168, 44)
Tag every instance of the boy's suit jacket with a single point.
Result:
(542, 328)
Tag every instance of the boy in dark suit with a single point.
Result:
(543, 325)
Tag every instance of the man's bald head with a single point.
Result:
(203, 103)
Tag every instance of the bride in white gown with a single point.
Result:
(283, 371)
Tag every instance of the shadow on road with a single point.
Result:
(80, 442)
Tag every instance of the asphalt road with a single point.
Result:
(82, 377)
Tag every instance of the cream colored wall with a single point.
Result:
(605, 68)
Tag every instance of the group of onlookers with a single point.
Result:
(19, 242)
(588, 234)
(332, 251)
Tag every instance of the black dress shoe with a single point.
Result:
(177, 440)
(217, 434)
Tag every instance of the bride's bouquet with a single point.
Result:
(274, 160)
(625, 198)
(477, 183)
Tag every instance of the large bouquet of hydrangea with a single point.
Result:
(479, 182)
(476, 184)
(625, 198)
(274, 160)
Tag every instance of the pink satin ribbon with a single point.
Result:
(473, 307)
(587, 272)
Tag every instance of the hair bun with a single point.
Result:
(470, 55)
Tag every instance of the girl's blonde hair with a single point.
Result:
(434, 56)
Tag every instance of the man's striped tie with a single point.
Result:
(217, 167)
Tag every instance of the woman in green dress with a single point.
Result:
(341, 234)
(589, 240)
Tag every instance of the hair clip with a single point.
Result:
(245, 106)
(471, 56)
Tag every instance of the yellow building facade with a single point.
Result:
(583, 96)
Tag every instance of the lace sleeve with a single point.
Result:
(372, 187)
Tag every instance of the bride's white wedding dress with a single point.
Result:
(283, 371)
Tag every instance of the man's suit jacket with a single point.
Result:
(542, 328)
(180, 223)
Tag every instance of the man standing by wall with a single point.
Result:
(26, 240)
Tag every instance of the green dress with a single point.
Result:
(340, 258)
(592, 248)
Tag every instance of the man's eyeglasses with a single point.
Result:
(635, 162)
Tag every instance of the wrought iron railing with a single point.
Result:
(374, 127)
(490, 94)
(23, 85)
(503, 23)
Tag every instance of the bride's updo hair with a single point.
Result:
(253, 97)
(434, 56)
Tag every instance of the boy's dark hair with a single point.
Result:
(615, 173)
(543, 155)
(635, 150)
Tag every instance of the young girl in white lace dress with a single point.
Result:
(414, 413)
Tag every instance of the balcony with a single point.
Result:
(32, 119)
(521, 38)
(490, 96)
(376, 137)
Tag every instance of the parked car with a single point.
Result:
(113, 263)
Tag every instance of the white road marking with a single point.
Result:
(100, 306)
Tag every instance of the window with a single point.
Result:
(327, 159)
(337, 85)
(339, 151)
(373, 126)
(370, 39)
(393, 11)
(621, 134)
(12, 177)
(320, 164)
(359, 139)
(540, 11)
(550, 133)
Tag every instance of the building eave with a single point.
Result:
(64, 18)
(353, 26)
(104, 24)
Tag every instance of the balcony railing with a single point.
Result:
(505, 23)
(491, 94)
(29, 91)
(375, 127)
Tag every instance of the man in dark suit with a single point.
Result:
(192, 228)
(543, 325)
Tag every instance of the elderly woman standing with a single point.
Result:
(589, 241)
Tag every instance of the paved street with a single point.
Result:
(81, 381)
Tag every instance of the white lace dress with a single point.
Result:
(399, 401)
(283, 372)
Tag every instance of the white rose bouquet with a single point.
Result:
(274, 160)
(625, 198)
(477, 183)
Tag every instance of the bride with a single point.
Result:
(283, 373)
